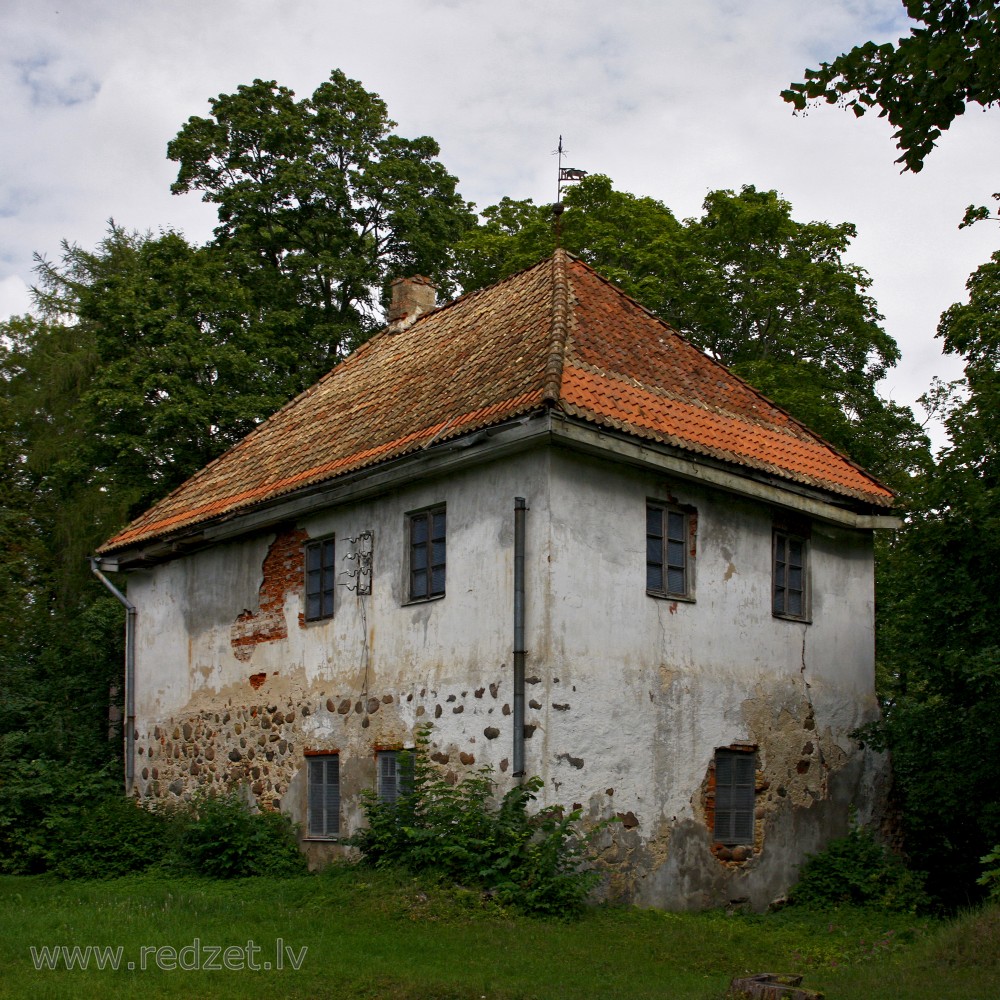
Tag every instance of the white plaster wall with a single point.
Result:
(372, 645)
(628, 695)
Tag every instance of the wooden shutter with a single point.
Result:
(324, 796)
(388, 784)
(735, 777)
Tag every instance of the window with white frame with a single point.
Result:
(735, 780)
(427, 553)
(395, 774)
(323, 821)
(669, 557)
(790, 580)
(320, 579)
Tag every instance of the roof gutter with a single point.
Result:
(130, 620)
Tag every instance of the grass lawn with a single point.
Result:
(356, 933)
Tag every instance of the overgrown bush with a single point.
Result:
(991, 873)
(535, 861)
(53, 819)
(860, 871)
(39, 799)
(222, 838)
(112, 837)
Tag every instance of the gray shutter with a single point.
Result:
(743, 788)
(388, 786)
(735, 778)
(723, 797)
(324, 796)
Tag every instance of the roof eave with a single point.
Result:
(779, 492)
(484, 444)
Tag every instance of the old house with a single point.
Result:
(539, 519)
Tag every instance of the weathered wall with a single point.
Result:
(628, 696)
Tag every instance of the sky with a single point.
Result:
(671, 98)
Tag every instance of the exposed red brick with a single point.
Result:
(281, 572)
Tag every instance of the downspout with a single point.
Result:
(130, 616)
(519, 509)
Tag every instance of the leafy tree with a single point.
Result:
(939, 665)
(771, 297)
(939, 623)
(320, 205)
(629, 240)
(923, 82)
(178, 365)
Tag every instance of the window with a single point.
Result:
(324, 795)
(320, 583)
(427, 554)
(735, 777)
(395, 774)
(790, 599)
(668, 562)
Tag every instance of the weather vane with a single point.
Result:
(567, 175)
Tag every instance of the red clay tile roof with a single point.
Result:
(555, 334)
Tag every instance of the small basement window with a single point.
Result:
(427, 551)
(324, 796)
(320, 579)
(735, 780)
(668, 560)
(395, 774)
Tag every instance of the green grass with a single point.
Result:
(374, 935)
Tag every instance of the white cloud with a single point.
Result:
(15, 296)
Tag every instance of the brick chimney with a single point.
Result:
(411, 298)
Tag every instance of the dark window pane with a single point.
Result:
(654, 550)
(418, 528)
(654, 577)
(675, 579)
(654, 521)
(675, 526)
(428, 553)
(675, 553)
(794, 603)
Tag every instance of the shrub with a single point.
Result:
(534, 861)
(40, 799)
(114, 836)
(222, 838)
(859, 870)
(991, 873)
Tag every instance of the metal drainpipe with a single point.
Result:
(130, 616)
(519, 509)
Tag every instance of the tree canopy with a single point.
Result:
(320, 205)
(922, 82)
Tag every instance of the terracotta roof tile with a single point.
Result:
(555, 334)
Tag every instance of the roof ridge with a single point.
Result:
(559, 330)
